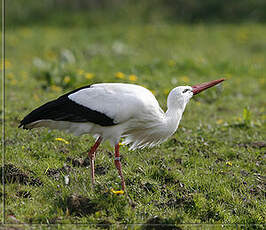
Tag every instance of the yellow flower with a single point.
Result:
(10, 76)
(185, 79)
(117, 192)
(80, 71)
(220, 121)
(7, 64)
(55, 88)
(229, 163)
(50, 54)
(133, 77)
(67, 79)
(98, 214)
(120, 75)
(61, 139)
(166, 91)
(89, 76)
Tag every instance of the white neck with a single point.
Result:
(173, 116)
(176, 107)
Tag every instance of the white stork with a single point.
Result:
(109, 111)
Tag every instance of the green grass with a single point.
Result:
(211, 171)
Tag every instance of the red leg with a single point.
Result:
(118, 165)
(92, 157)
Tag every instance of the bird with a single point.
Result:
(115, 112)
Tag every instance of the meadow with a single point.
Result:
(212, 171)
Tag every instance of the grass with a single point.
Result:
(212, 171)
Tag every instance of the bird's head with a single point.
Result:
(181, 95)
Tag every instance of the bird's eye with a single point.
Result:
(185, 90)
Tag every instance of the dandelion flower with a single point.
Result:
(117, 192)
(89, 76)
(7, 64)
(154, 92)
(185, 79)
(55, 88)
(120, 75)
(220, 121)
(67, 79)
(50, 55)
(62, 140)
(10, 76)
(133, 77)
(166, 91)
(229, 163)
(80, 71)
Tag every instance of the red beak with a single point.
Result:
(198, 88)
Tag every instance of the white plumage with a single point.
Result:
(111, 111)
(135, 110)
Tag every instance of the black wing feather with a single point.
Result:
(64, 109)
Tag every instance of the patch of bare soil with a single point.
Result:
(81, 206)
(57, 173)
(12, 174)
(79, 162)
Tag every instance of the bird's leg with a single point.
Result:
(118, 165)
(92, 157)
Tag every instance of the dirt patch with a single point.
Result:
(81, 206)
(57, 173)
(79, 162)
(12, 174)
(256, 145)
